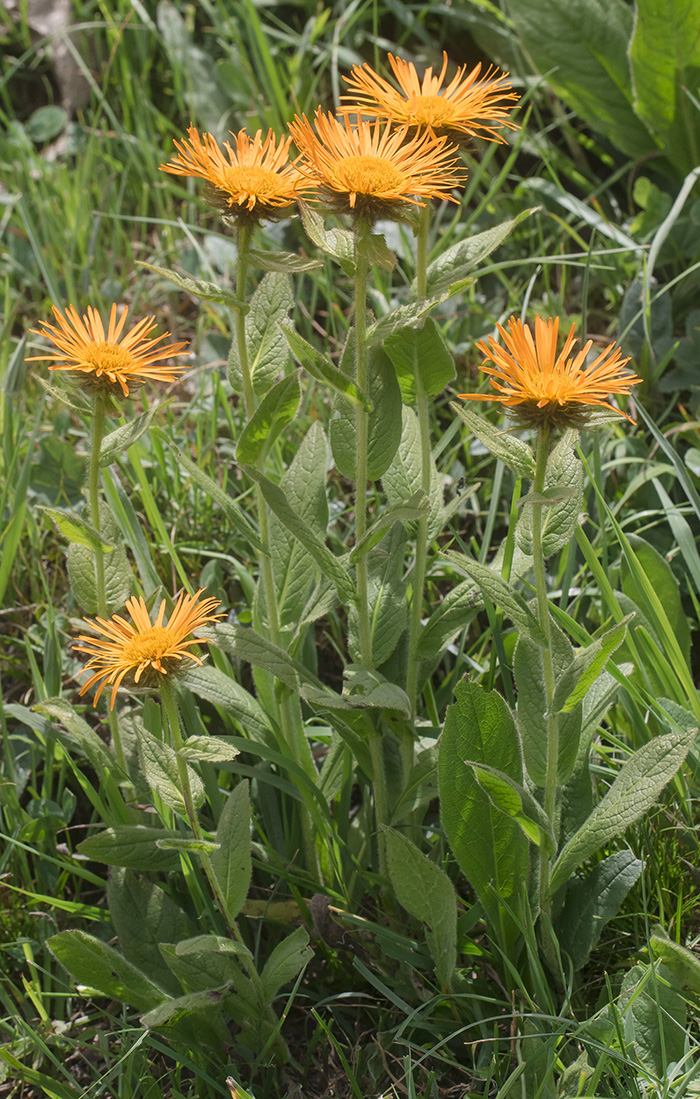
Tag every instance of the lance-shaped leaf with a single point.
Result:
(209, 748)
(338, 243)
(283, 261)
(453, 614)
(268, 351)
(74, 528)
(215, 686)
(231, 862)
(456, 262)
(635, 790)
(207, 291)
(416, 506)
(513, 799)
(513, 452)
(328, 563)
(421, 352)
(97, 965)
(501, 594)
(159, 766)
(122, 437)
(277, 409)
(573, 686)
(132, 846)
(592, 901)
(287, 959)
(404, 316)
(320, 367)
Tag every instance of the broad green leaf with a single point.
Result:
(512, 798)
(231, 863)
(528, 669)
(654, 1015)
(215, 686)
(456, 262)
(563, 498)
(97, 965)
(277, 409)
(501, 594)
(118, 575)
(664, 56)
(388, 605)
(423, 351)
(208, 748)
(145, 916)
(592, 901)
(683, 963)
(414, 508)
(490, 847)
(268, 350)
(635, 790)
(235, 515)
(366, 687)
(82, 735)
(400, 318)
(320, 367)
(582, 47)
(122, 438)
(203, 963)
(201, 1003)
(77, 531)
(513, 452)
(283, 261)
(384, 426)
(327, 562)
(338, 243)
(304, 486)
(207, 291)
(287, 959)
(573, 686)
(425, 891)
(403, 477)
(665, 586)
(159, 766)
(421, 787)
(375, 250)
(132, 846)
(454, 613)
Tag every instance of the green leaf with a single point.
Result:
(132, 846)
(683, 963)
(403, 477)
(592, 901)
(74, 528)
(223, 691)
(82, 735)
(388, 605)
(414, 508)
(489, 846)
(268, 350)
(528, 669)
(287, 959)
(338, 243)
(635, 790)
(289, 262)
(400, 318)
(207, 962)
(573, 686)
(320, 367)
(231, 863)
(304, 487)
(654, 1015)
(209, 748)
(420, 350)
(186, 843)
(384, 428)
(501, 594)
(452, 615)
(366, 687)
(456, 262)
(660, 576)
(97, 965)
(277, 409)
(122, 438)
(235, 515)
(207, 291)
(425, 891)
(159, 766)
(564, 499)
(375, 250)
(512, 798)
(513, 452)
(118, 576)
(582, 47)
(664, 55)
(144, 916)
(192, 1003)
(328, 563)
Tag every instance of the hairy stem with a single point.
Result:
(362, 429)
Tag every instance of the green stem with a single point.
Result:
(551, 782)
(98, 426)
(376, 752)
(362, 429)
(290, 718)
(421, 559)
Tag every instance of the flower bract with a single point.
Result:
(109, 361)
(251, 180)
(541, 386)
(141, 651)
(372, 170)
(469, 104)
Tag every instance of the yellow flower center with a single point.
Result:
(148, 646)
(430, 110)
(248, 180)
(371, 175)
(110, 358)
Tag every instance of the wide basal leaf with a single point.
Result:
(592, 901)
(489, 846)
(654, 1015)
(425, 891)
(98, 966)
(131, 845)
(635, 790)
(143, 916)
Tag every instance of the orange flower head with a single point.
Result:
(108, 362)
(469, 105)
(140, 651)
(251, 181)
(371, 170)
(544, 388)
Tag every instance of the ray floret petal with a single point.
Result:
(143, 651)
(538, 384)
(111, 359)
(470, 104)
